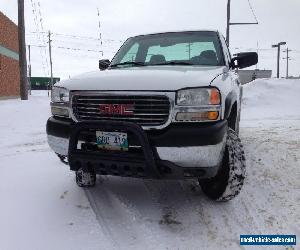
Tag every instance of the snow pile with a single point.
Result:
(271, 99)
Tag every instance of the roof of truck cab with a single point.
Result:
(176, 31)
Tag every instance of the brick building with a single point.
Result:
(9, 58)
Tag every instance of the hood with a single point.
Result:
(151, 78)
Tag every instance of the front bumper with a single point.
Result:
(186, 150)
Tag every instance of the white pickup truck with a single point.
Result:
(166, 107)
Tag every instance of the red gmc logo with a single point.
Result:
(116, 109)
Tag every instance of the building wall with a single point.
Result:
(9, 62)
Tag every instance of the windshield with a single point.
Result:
(176, 48)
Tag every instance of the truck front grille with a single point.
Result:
(148, 110)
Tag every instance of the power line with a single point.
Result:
(79, 37)
(263, 49)
(68, 35)
(63, 47)
(38, 32)
(251, 8)
(71, 54)
(229, 23)
(99, 51)
(38, 46)
(42, 30)
(88, 38)
(34, 32)
(37, 29)
(77, 49)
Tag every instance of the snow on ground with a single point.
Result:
(42, 208)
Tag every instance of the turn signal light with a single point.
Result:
(213, 115)
(215, 97)
(197, 116)
(57, 111)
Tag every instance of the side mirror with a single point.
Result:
(244, 60)
(103, 64)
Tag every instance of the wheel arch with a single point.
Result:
(230, 104)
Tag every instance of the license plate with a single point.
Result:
(112, 140)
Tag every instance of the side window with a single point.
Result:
(131, 54)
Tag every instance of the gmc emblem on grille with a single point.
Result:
(116, 109)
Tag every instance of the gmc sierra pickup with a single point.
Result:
(166, 107)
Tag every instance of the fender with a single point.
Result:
(231, 98)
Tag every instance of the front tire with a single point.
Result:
(85, 178)
(228, 182)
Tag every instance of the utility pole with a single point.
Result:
(278, 56)
(256, 66)
(287, 61)
(22, 52)
(50, 55)
(29, 69)
(229, 23)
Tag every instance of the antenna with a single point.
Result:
(100, 35)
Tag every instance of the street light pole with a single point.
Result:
(278, 61)
(278, 56)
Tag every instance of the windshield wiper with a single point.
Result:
(128, 63)
(154, 64)
(173, 63)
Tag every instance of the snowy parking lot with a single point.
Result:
(42, 207)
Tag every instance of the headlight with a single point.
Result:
(198, 97)
(59, 94)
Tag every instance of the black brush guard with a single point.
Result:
(127, 164)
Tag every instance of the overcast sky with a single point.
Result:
(278, 21)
